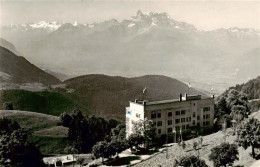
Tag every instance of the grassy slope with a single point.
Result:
(50, 138)
(209, 142)
(48, 102)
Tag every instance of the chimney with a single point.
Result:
(180, 97)
(186, 95)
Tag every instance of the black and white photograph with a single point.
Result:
(142, 83)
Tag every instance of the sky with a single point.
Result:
(203, 14)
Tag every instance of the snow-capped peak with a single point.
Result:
(45, 25)
(75, 23)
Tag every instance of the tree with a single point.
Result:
(190, 161)
(65, 119)
(8, 106)
(98, 150)
(135, 140)
(224, 154)
(118, 138)
(80, 161)
(16, 150)
(7, 126)
(147, 129)
(249, 134)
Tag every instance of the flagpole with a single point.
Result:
(144, 93)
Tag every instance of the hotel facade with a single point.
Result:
(169, 115)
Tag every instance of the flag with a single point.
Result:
(144, 90)
(189, 85)
(129, 112)
(211, 88)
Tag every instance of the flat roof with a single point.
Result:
(162, 102)
(189, 98)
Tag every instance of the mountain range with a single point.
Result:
(148, 43)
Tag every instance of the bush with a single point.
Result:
(190, 161)
(8, 106)
(224, 154)
(65, 119)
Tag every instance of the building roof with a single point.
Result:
(184, 98)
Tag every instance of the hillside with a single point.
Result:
(16, 69)
(52, 102)
(251, 88)
(4, 43)
(108, 96)
(49, 137)
(102, 95)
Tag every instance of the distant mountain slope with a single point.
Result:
(102, 95)
(4, 43)
(19, 70)
(108, 96)
(251, 88)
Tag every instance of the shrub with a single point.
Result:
(190, 161)
(224, 154)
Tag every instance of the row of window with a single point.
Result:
(207, 116)
(188, 119)
(177, 129)
(157, 113)
(207, 123)
(205, 109)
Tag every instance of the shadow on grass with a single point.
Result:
(122, 161)
(147, 152)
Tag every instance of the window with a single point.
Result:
(183, 112)
(159, 131)
(177, 112)
(182, 119)
(169, 130)
(193, 122)
(198, 124)
(188, 119)
(169, 114)
(205, 109)
(159, 114)
(194, 114)
(169, 122)
(183, 127)
(177, 128)
(206, 123)
(153, 114)
(177, 121)
(207, 116)
(159, 123)
(138, 115)
(187, 126)
(198, 117)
